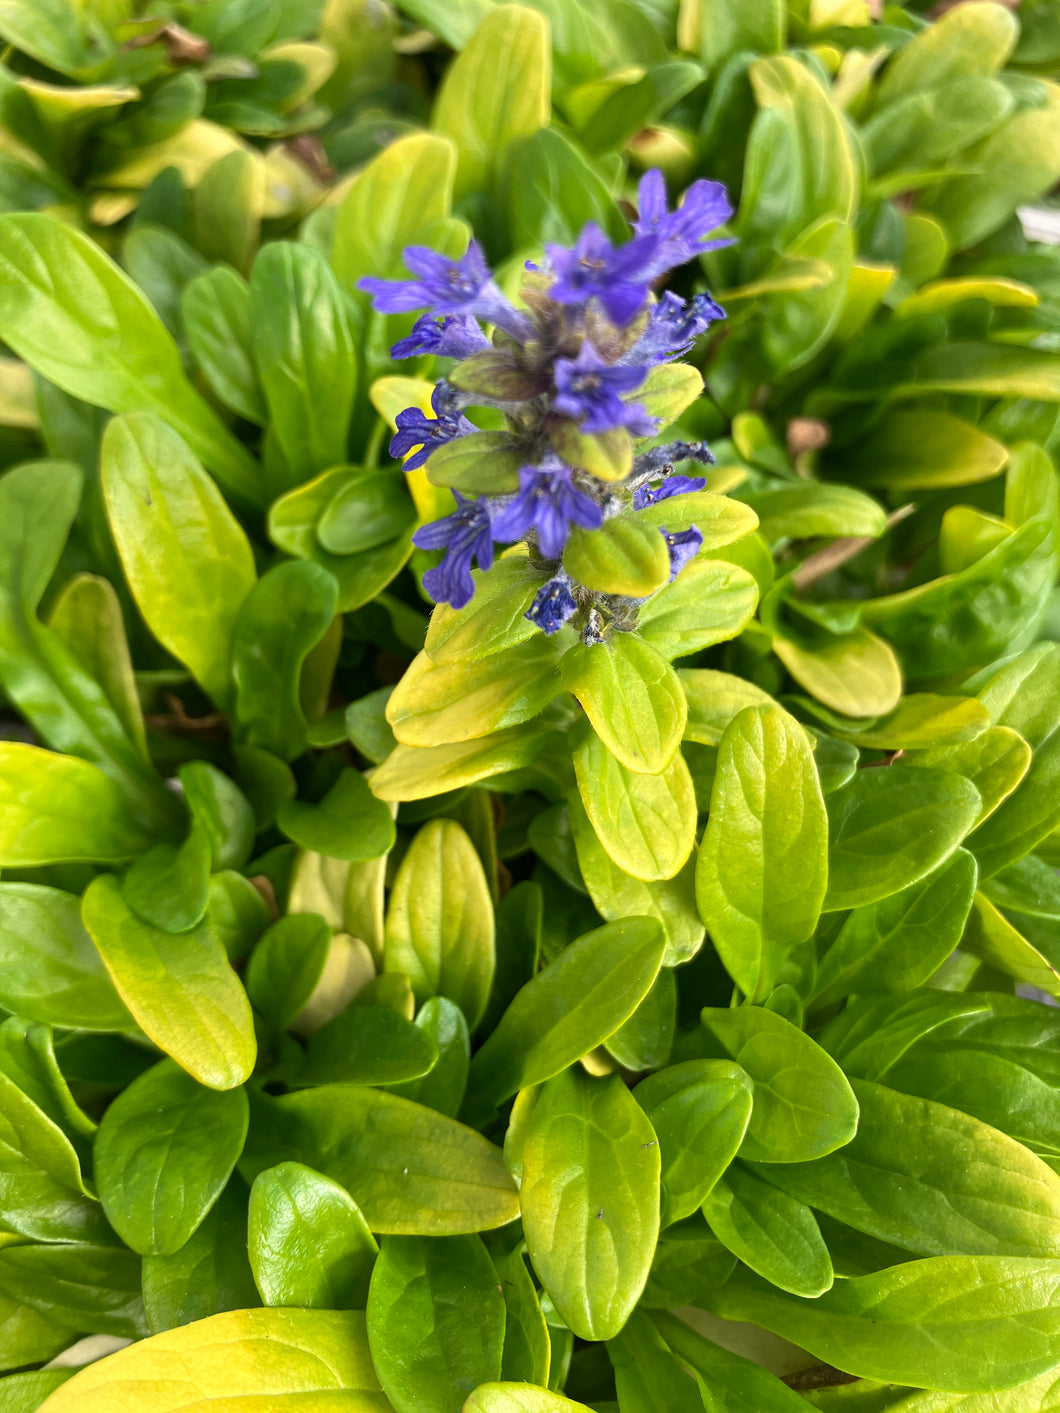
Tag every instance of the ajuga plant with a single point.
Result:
(477, 1011)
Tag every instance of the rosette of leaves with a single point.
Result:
(108, 107)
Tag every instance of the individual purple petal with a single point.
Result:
(553, 604)
(547, 503)
(448, 336)
(465, 536)
(672, 486)
(594, 269)
(683, 545)
(589, 389)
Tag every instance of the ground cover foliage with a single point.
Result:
(411, 1010)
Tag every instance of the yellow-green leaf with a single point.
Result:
(310, 1361)
(180, 988)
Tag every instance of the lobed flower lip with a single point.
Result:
(581, 357)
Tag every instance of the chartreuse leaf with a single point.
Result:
(897, 943)
(81, 323)
(632, 697)
(349, 822)
(647, 823)
(570, 1008)
(699, 1110)
(616, 894)
(186, 558)
(914, 450)
(439, 925)
(57, 809)
(932, 1180)
(284, 616)
(590, 1199)
(49, 969)
(709, 602)
(87, 617)
(180, 988)
(803, 1105)
(805, 509)
(856, 673)
(395, 198)
(798, 130)
(964, 1323)
(438, 704)
(304, 354)
(43, 1193)
(519, 1398)
(415, 773)
(165, 1149)
(497, 91)
(91, 1288)
(310, 1246)
(527, 1353)
(763, 866)
(625, 556)
(436, 1320)
(994, 762)
(215, 309)
(998, 1065)
(494, 619)
(890, 828)
(1024, 696)
(715, 699)
(771, 1232)
(312, 1361)
(976, 42)
(648, 1378)
(422, 1174)
(991, 937)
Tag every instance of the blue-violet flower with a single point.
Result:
(588, 388)
(465, 535)
(546, 502)
(415, 428)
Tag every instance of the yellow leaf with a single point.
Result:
(244, 1361)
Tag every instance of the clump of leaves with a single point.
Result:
(415, 1014)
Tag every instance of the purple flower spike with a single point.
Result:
(672, 486)
(448, 336)
(465, 536)
(463, 286)
(548, 503)
(415, 428)
(553, 604)
(594, 269)
(680, 235)
(683, 546)
(673, 328)
(588, 388)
